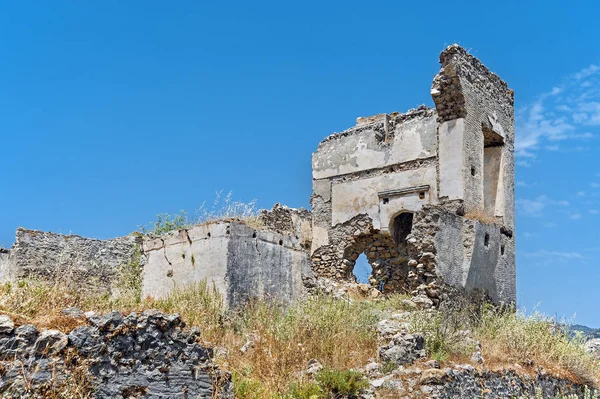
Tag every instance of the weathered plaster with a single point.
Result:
(242, 263)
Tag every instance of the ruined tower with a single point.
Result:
(428, 195)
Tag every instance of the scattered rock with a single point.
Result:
(373, 370)
(314, 366)
(27, 332)
(422, 301)
(378, 383)
(73, 312)
(476, 357)
(6, 325)
(403, 349)
(593, 346)
(409, 305)
(50, 342)
(432, 376)
(387, 329)
(432, 364)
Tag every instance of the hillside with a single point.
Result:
(327, 346)
(586, 331)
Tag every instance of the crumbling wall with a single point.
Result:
(242, 262)
(5, 269)
(475, 111)
(93, 263)
(111, 356)
(469, 382)
(447, 168)
(288, 221)
(447, 248)
(351, 169)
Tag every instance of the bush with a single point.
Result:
(345, 383)
(306, 390)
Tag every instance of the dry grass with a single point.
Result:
(339, 334)
(507, 338)
(481, 215)
(222, 208)
(536, 340)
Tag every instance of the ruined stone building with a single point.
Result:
(409, 190)
(427, 196)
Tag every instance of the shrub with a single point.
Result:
(304, 390)
(344, 383)
(166, 222)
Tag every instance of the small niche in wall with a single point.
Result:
(422, 195)
(473, 171)
(280, 242)
(386, 200)
(501, 249)
(486, 240)
(254, 234)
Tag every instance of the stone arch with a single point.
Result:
(389, 267)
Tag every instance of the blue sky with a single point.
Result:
(111, 112)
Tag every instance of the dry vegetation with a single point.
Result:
(339, 334)
(222, 208)
(481, 215)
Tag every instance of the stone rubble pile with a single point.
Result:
(133, 356)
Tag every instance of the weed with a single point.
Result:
(345, 383)
(481, 215)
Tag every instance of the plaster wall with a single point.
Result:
(493, 194)
(451, 159)
(241, 262)
(365, 147)
(4, 265)
(361, 196)
(466, 89)
(186, 256)
(268, 266)
(466, 259)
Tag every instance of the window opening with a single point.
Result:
(362, 269)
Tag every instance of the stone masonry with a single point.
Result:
(426, 195)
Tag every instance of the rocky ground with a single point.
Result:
(153, 355)
(150, 355)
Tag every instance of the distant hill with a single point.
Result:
(587, 331)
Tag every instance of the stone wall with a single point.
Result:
(242, 262)
(475, 112)
(468, 382)
(465, 253)
(150, 355)
(94, 263)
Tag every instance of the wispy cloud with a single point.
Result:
(570, 111)
(594, 211)
(534, 207)
(553, 255)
